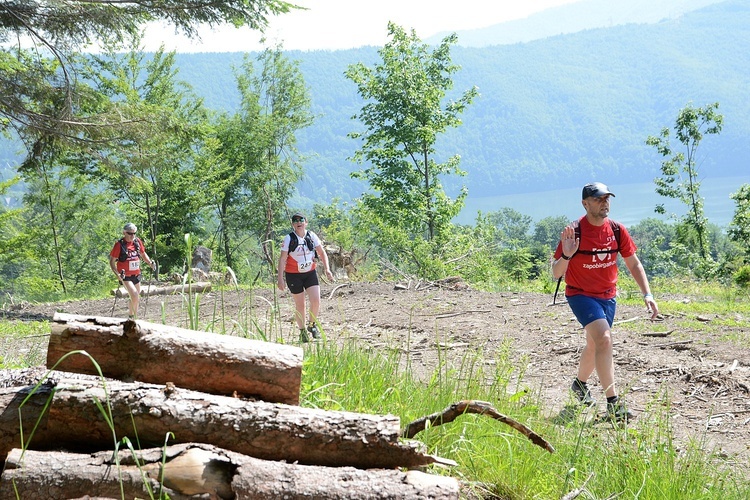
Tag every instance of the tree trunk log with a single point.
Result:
(194, 469)
(199, 287)
(160, 354)
(147, 414)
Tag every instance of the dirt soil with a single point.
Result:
(705, 376)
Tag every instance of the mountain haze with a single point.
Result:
(575, 17)
(562, 110)
(553, 113)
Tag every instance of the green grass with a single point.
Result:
(20, 345)
(639, 461)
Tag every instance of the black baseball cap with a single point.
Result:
(596, 189)
(298, 214)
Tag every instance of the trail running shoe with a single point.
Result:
(582, 393)
(303, 336)
(313, 329)
(618, 412)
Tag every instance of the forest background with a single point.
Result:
(556, 112)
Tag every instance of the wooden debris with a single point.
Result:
(65, 414)
(147, 290)
(150, 352)
(657, 334)
(455, 410)
(204, 471)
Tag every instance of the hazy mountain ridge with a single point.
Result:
(556, 112)
(573, 18)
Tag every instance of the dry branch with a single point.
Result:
(149, 352)
(333, 292)
(194, 469)
(147, 290)
(657, 334)
(146, 413)
(477, 407)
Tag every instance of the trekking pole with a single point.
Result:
(117, 291)
(148, 292)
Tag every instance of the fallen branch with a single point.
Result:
(200, 286)
(459, 313)
(634, 318)
(674, 344)
(333, 292)
(576, 493)
(657, 334)
(477, 407)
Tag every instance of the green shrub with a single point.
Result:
(742, 276)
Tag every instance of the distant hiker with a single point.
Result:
(587, 256)
(297, 264)
(125, 261)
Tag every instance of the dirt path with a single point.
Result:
(705, 377)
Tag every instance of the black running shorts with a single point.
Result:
(299, 282)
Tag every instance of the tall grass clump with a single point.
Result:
(639, 460)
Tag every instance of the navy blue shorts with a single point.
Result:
(299, 282)
(588, 309)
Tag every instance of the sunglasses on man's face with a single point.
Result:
(128, 232)
(298, 219)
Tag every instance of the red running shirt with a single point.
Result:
(596, 275)
(131, 266)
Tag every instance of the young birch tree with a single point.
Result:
(406, 109)
(680, 179)
(250, 165)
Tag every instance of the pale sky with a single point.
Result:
(342, 24)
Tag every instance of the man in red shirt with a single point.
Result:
(125, 262)
(587, 256)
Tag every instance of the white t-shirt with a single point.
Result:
(302, 259)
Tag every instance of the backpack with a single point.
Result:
(294, 242)
(615, 229)
(124, 249)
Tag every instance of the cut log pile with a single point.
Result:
(136, 410)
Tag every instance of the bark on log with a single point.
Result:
(160, 354)
(194, 469)
(146, 414)
(198, 287)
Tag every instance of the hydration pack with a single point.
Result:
(293, 242)
(615, 229)
(124, 249)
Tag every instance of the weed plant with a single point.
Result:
(607, 461)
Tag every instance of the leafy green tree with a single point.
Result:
(63, 28)
(547, 230)
(513, 226)
(251, 165)
(690, 127)
(655, 240)
(150, 165)
(739, 227)
(404, 113)
(64, 229)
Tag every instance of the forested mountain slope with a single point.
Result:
(559, 111)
